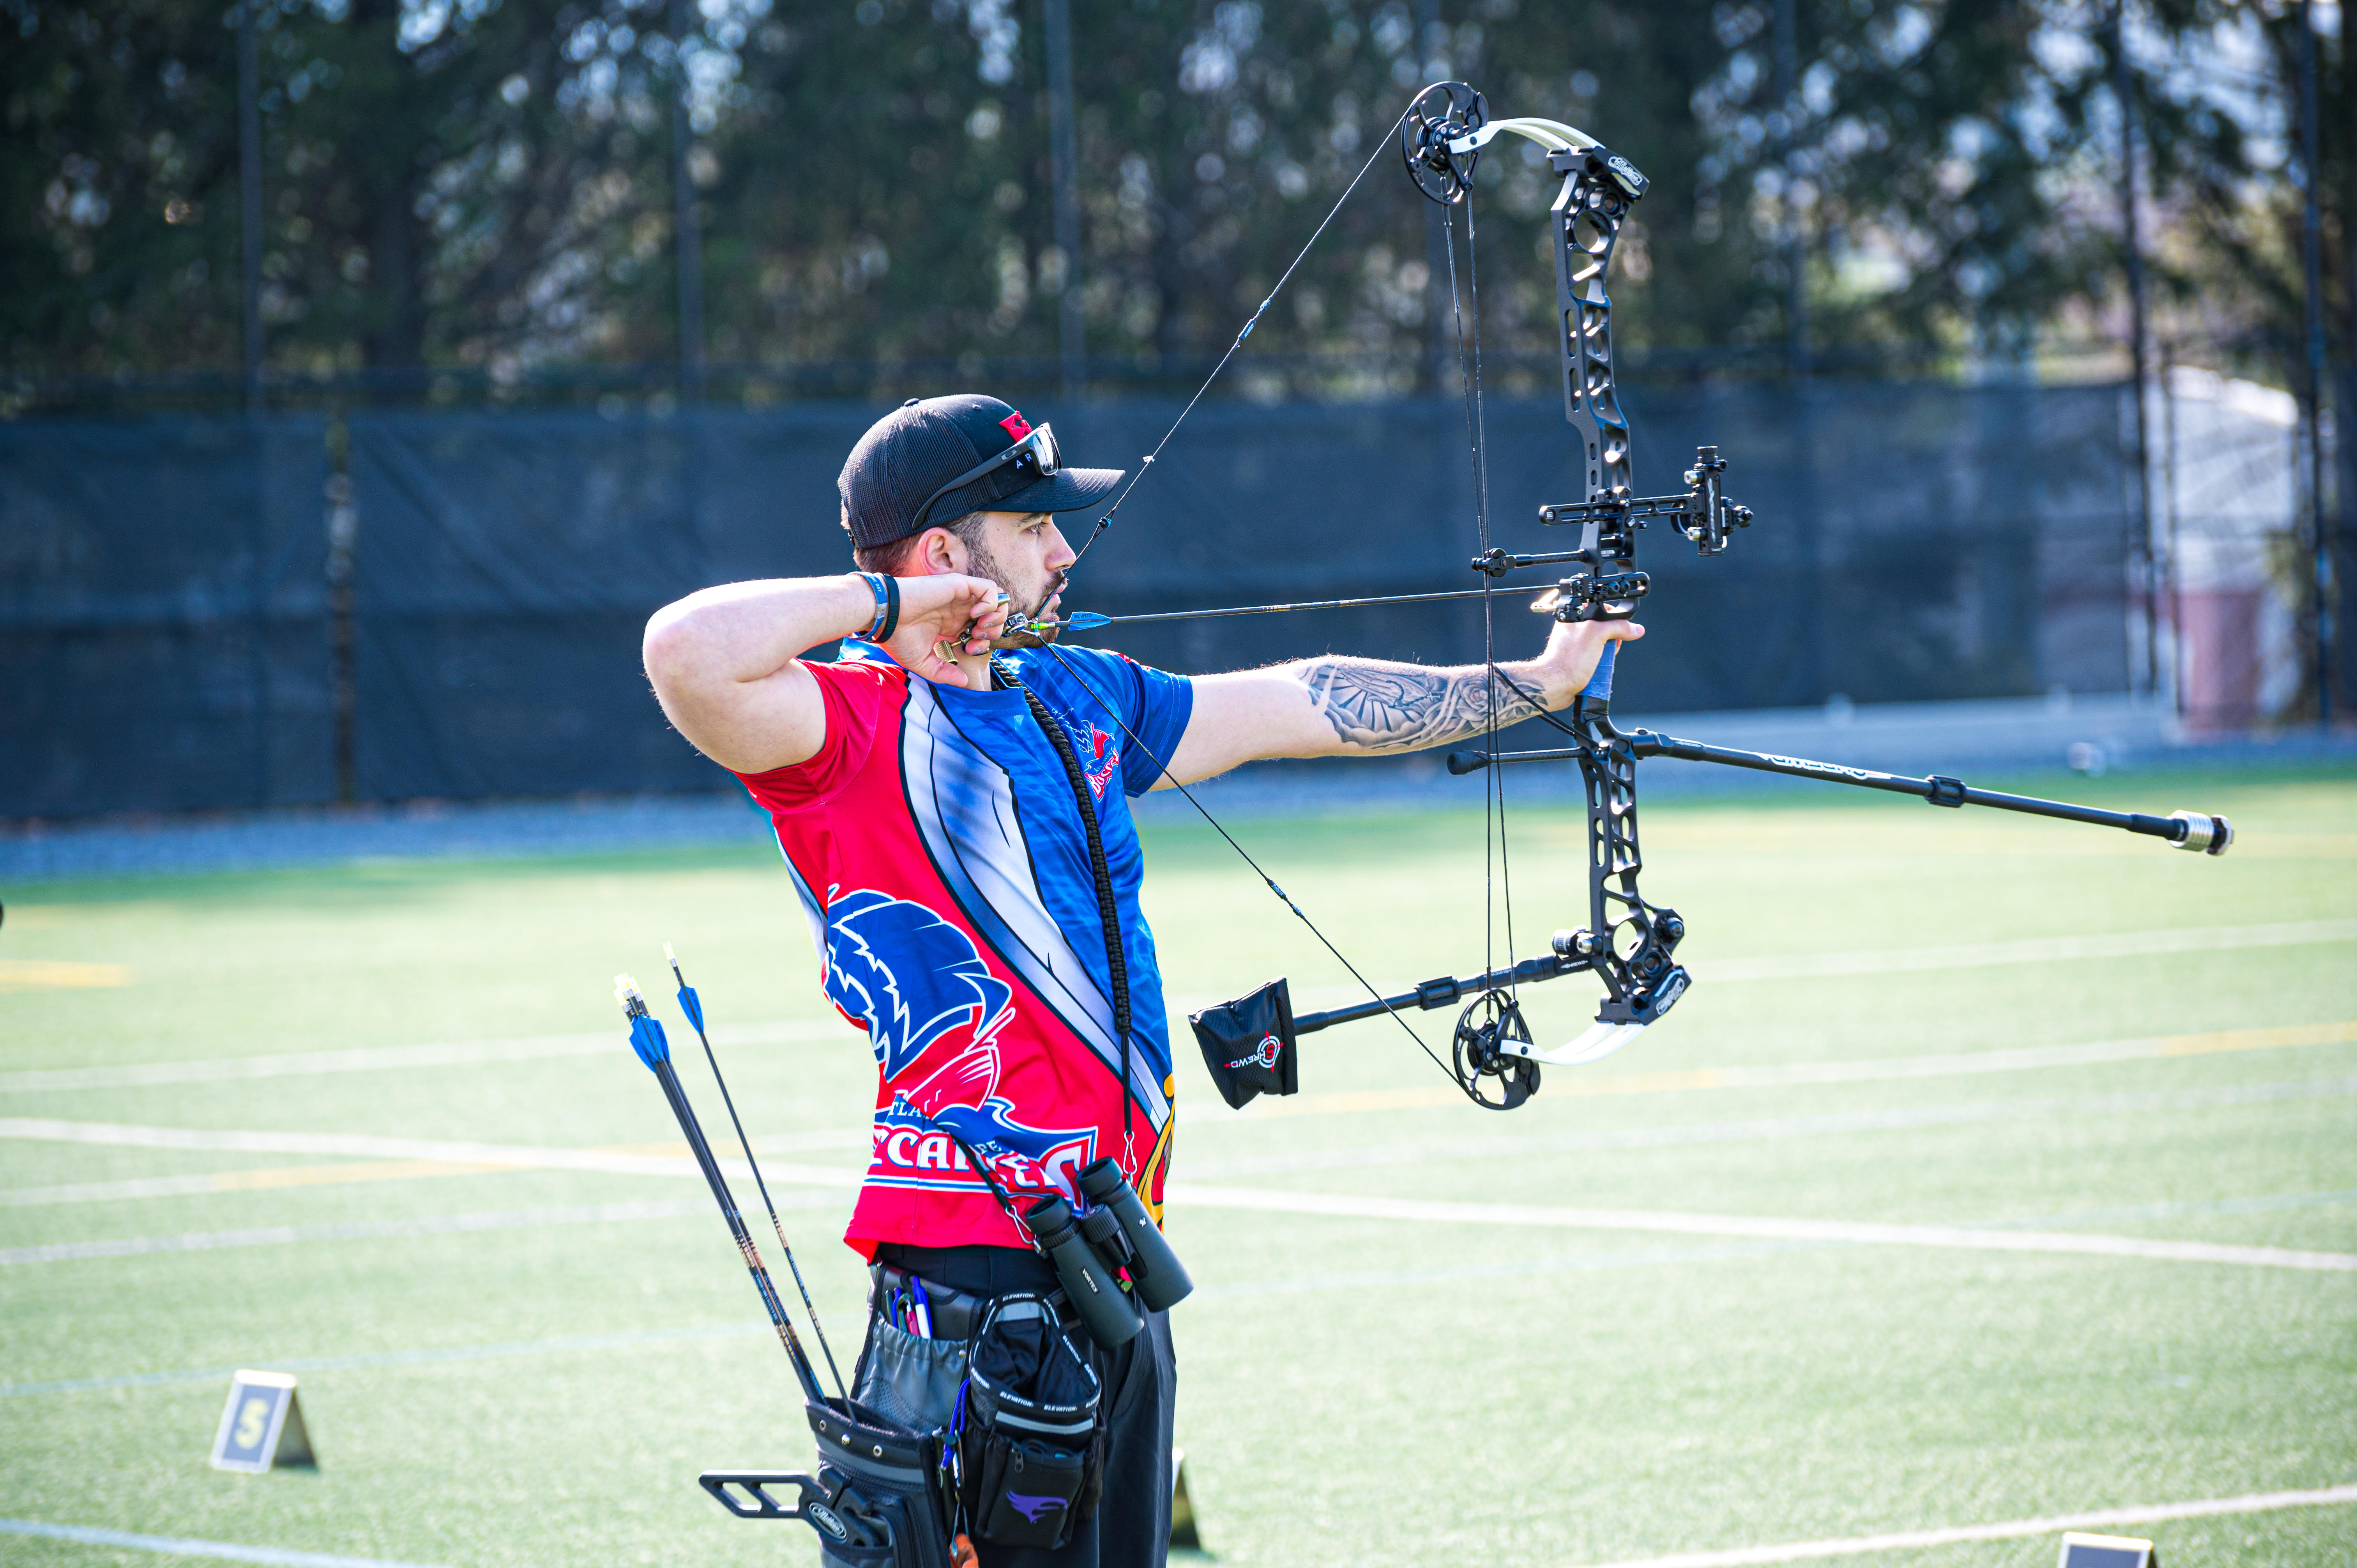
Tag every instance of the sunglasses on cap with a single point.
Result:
(1036, 451)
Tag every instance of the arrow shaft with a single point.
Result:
(1287, 608)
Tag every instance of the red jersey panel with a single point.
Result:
(938, 851)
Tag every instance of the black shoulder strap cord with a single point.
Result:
(1108, 910)
(1284, 897)
(1063, 746)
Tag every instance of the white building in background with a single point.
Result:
(2225, 514)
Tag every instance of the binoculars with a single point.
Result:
(1113, 1261)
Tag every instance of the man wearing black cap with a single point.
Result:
(945, 797)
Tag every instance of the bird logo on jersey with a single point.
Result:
(1104, 764)
(909, 976)
(918, 982)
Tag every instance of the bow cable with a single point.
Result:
(1469, 378)
(1493, 792)
(1382, 144)
(1287, 898)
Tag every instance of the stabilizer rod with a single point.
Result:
(1445, 992)
(2187, 829)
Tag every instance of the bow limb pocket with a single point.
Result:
(1248, 1045)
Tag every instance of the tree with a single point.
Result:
(483, 187)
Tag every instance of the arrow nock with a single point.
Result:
(689, 1003)
(646, 1034)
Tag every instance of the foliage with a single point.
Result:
(489, 183)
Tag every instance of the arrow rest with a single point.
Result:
(1442, 114)
(1484, 1065)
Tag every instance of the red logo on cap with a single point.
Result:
(1016, 427)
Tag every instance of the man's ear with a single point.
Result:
(938, 551)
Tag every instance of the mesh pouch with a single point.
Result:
(912, 1380)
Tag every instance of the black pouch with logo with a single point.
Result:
(883, 1508)
(1031, 1445)
(1248, 1045)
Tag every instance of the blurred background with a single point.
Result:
(373, 367)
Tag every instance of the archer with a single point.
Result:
(952, 799)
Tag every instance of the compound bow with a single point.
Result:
(1627, 943)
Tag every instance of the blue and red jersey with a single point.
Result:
(938, 849)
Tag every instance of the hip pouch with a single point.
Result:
(881, 1507)
(1028, 1436)
(912, 1379)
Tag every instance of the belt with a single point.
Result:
(955, 1313)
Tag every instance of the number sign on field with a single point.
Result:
(263, 1426)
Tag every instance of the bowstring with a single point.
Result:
(1481, 473)
(1495, 854)
(1105, 522)
(1382, 144)
(1283, 896)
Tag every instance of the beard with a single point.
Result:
(981, 563)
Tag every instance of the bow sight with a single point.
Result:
(1628, 944)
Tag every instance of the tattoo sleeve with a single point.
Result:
(1382, 707)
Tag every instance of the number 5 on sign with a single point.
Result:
(263, 1426)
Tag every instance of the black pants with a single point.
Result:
(1131, 1528)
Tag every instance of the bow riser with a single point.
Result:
(1585, 221)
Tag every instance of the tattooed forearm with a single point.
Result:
(1380, 707)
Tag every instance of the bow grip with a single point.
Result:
(1599, 685)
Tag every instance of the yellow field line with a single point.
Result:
(1564, 1085)
(328, 1176)
(59, 974)
(2258, 1039)
(647, 1158)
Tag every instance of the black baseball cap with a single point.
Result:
(913, 451)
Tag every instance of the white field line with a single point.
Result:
(611, 1162)
(382, 1059)
(1360, 1155)
(1756, 1227)
(419, 1158)
(2012, 1530)
(2042, 950)
(2035, 950)
(361, 1230)
(1710, 970)
(2030, 1059)
(177, 1546)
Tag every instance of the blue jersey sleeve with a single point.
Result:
(1150, 706)
(1161, 704)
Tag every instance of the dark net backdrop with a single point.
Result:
(1913, 542)
(162, 629)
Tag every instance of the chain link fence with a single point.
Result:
(170, 640)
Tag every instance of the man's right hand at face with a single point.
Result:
(942, 615)
(726, 662)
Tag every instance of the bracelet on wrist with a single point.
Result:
(886, 619)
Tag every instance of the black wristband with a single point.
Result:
(887, 589)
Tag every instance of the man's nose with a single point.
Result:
(1060, 553)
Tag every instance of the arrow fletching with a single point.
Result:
(646, 1034)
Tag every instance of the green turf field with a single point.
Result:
(505, 1365)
